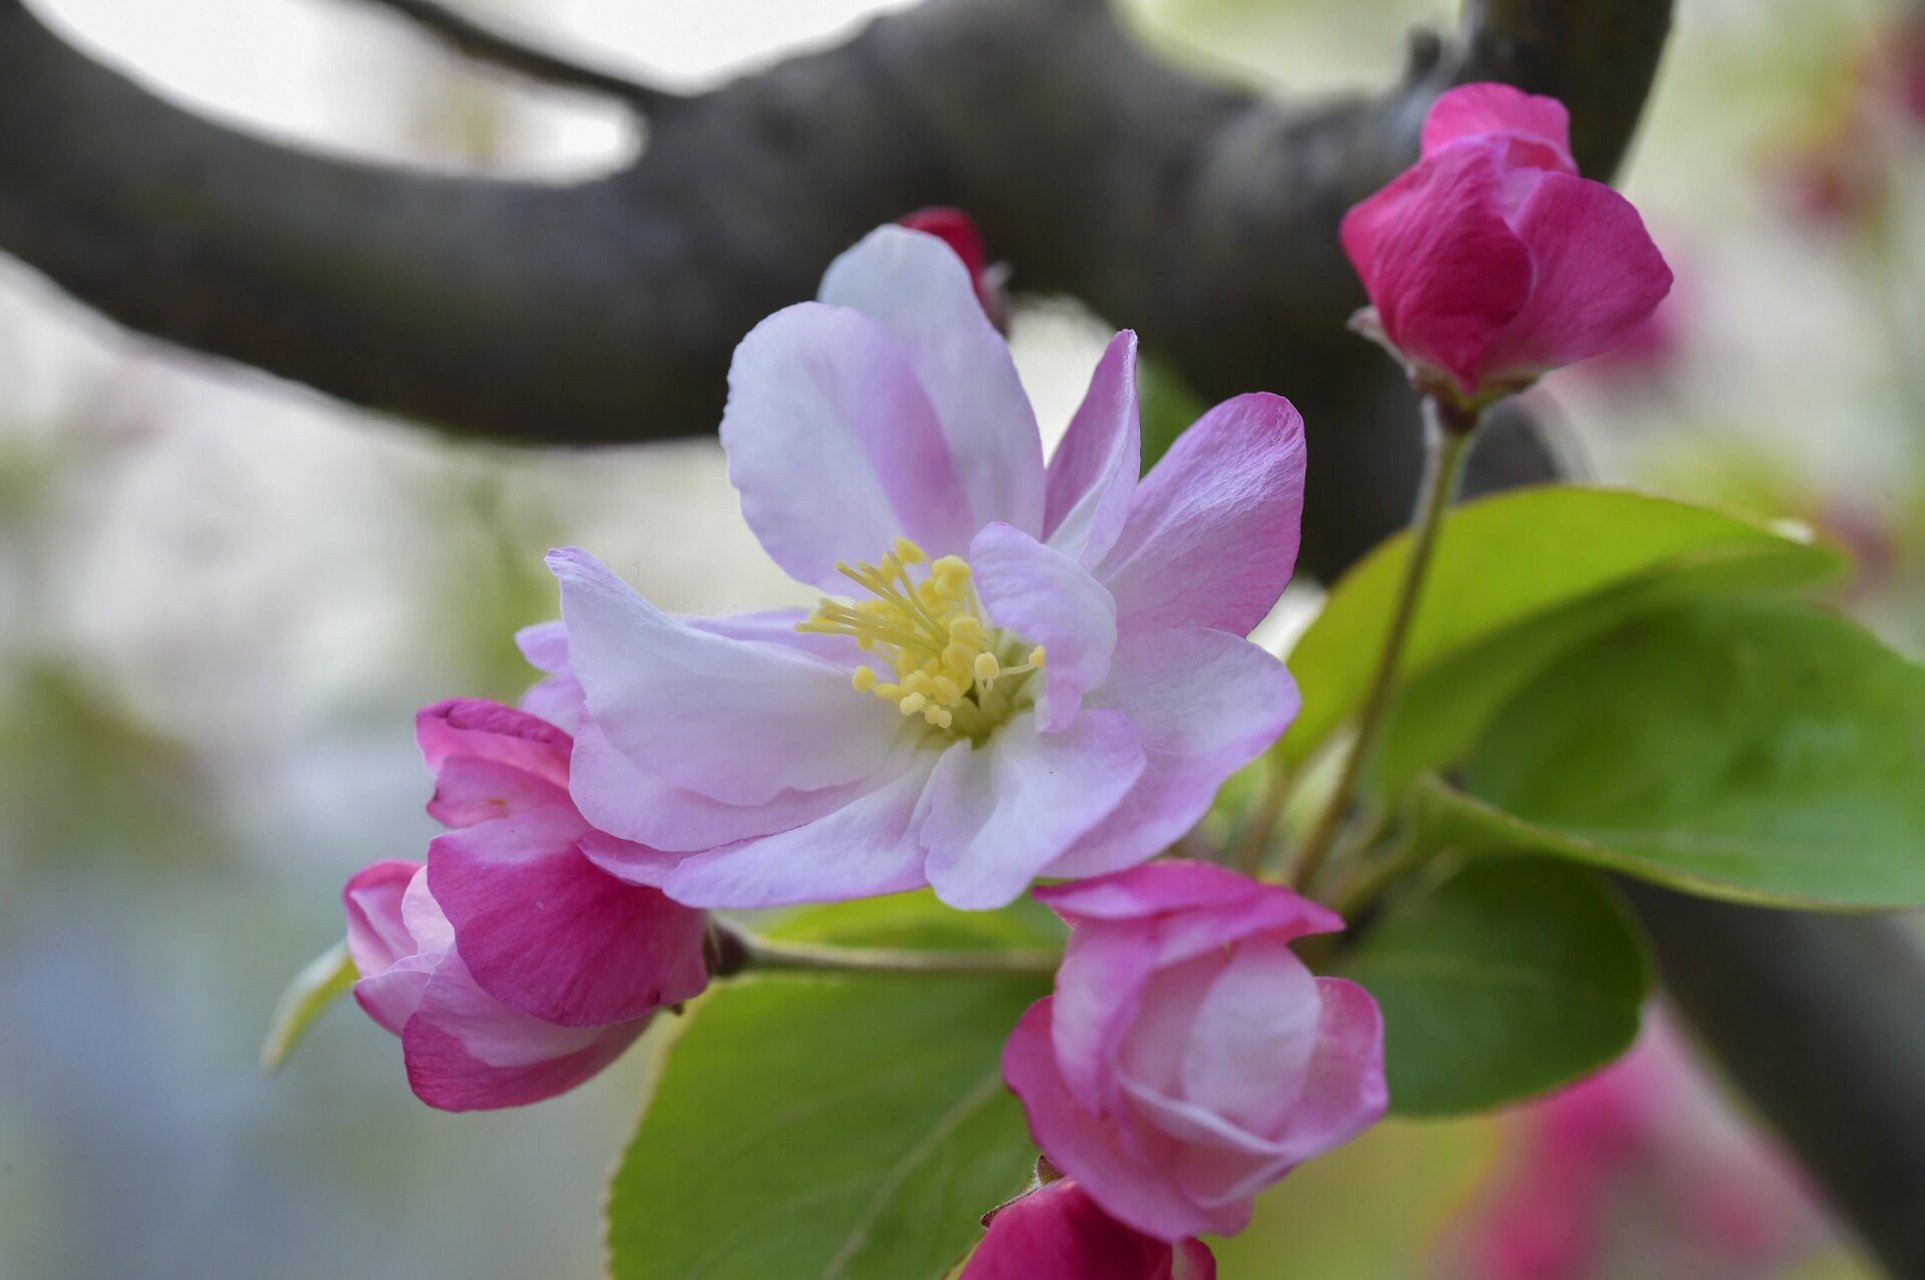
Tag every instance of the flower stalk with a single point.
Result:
(1449, 432)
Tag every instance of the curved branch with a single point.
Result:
(479, 42)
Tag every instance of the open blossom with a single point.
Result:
(511, 967)
(1491, 261)
(1058, 1232)
(1027, 671)
(1188, 1058)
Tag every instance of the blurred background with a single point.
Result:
(221, 598)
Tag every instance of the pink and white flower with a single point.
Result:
(1188, 1058)
(1058, 1232)
(1491, 261)
(511, 966)
(1043, 671)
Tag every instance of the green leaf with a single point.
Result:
(920, 921)
(1758, 751)
(319, 983)
(839, 1128)
(1509, 978)
(1516, 580)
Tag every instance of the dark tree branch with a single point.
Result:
(1200, 214)
(1196, 212)
(1817, 1019)
(479, 42)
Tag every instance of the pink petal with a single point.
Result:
(1253, 1037)
(737, 721)
(1212, 532)
(470, 789)
(834, 445)
(1099, 992)
(1599, 276)
(467, 1051)
(1139, 1189)
(1092, 475)
(545, 931)
(998, 814)
(865, 848)
(377, 935)
(1205, 704)
(1194, 1261)
(915, 287)
(1441, 264)
(777, 627)
(475, 729)
(558, 698)
(1538, 128)
(637, 808)
(1344, 1091)
(1045, 597)
(1057, 1232)
(1190, 907)
(381, 944)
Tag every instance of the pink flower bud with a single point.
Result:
(1491, 262)
(512, 967)
(1057, 1231)
(1188, 1058)
(959, 231)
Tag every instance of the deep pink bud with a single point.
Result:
(1057, 1231)
(959, 231)
(511, 966)
(1188, 1058)
(1491, 261)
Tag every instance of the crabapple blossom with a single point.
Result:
(1491, 261)
(1059, 1232)
(1188, 1058)
(1021, 670)
(511, 967)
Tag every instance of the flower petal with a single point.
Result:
(1344, 1091)
(467, 1051)
(1043, 595)
(777, 627)
(635, 808)
(545, 931)
(1253, 1036)
(864, 848)
(737, 721)
(1136, 1188)
(1092, 475)
(834, 446)
(1059, 1232)
(1441, 264)
(1538, 128)
(1212, 533)
(998, 814)
(917, 288)
(382, 946)
(476, 732)
(1598, 277)
(557, 698)
(1205, 704)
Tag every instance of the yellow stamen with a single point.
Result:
(929, 632)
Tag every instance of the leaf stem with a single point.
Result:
(1448, 436)
(772, 954)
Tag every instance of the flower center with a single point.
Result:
(950, 666)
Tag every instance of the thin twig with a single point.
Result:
(1448, 447)
(482, 43)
